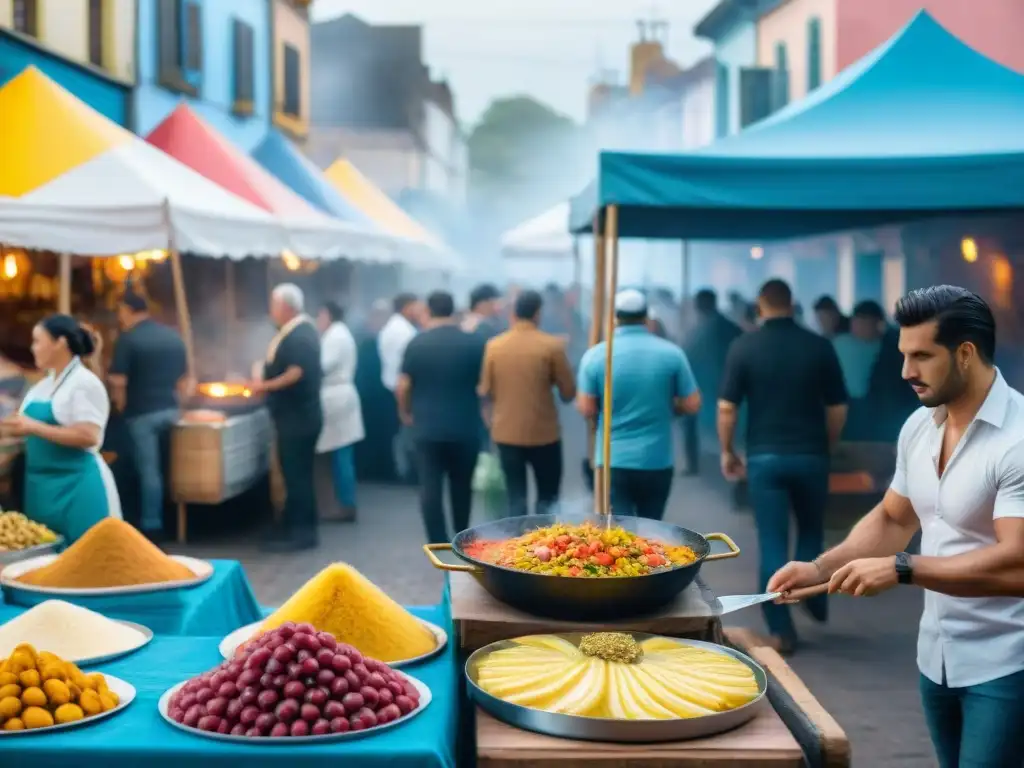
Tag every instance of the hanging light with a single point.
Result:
(757, 252)
(969, 249)
(291, 262)
(10, 266)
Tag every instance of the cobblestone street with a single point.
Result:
(861, 666)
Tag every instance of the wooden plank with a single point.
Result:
(483, 619)
(764, 742)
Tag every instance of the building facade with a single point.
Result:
(86, 46)
(375, 103)
(813, 40)
(213, 54)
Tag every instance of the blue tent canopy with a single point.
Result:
(280, 157)
(922, 126)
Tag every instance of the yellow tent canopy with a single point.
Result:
(374, 204)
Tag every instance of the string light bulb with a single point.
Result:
(291, 262)
(10, 266)
(757, 252)
(969, 250)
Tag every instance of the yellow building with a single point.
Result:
(97, 33)
(291, 55)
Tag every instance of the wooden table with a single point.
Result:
(764, 742)
(482, 619)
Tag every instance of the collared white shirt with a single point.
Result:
(391, 343)
(971, 639)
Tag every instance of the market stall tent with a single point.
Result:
(74, 182)
(546, 234)
(351, 184)
(922, 126)
(191, 140)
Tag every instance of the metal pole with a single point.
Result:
(596, 313)
(64, 295)
(612, 233)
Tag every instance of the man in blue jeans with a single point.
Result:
(960, 481)
(148, 372)
(793, 386)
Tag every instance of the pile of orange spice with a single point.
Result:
(110, 554)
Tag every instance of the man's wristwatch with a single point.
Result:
(904, 569)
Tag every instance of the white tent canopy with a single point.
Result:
(543, 235)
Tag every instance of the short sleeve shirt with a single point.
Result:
(152, 358)
(966, 640)
(76, 397)
(297, 408)
(648, 374)
(443, 365)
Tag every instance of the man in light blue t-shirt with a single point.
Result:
(651, 385)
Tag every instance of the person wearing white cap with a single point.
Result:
(651, 385)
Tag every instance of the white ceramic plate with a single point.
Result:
(146, 635)
(10, 575)
(242, 635)
(425, 698)
(125, 692)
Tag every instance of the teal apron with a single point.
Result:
(64, 489)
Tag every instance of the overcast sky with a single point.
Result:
(549, 49)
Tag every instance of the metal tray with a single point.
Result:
(11, 586)
(240, 636)
(609, 729)
(125, 692)
(164, 704)
(18, 555)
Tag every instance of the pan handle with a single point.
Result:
(734, 551)
(435, 561)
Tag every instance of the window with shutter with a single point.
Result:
(755, 94)
(96, 32)
(193, 38)
(25, 17)
(244, 69)
(292, 81)
(813, 54)
(780, 90)
(721, 100)
(171, 48)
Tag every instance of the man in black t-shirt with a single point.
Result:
(791, 381)
(291, 383)
(147, 375)
(437, 399)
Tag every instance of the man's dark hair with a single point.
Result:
(334, 311)
(960, 315)
(403, 300)
(528, 304)
(482, 293)
(441, 305)
(776, 294)
(706, 301)
(134, 301)
(870, 310)
(826, 304)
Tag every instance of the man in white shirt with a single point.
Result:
(394, 337)
(960, 479)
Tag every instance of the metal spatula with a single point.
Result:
(732, 603)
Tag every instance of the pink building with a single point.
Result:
(814, 39)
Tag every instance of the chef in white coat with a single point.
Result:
(343, 416)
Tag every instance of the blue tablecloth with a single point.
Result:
(218, 606)
(138, 736)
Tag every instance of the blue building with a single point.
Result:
(213, 54)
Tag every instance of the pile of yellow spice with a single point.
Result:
(40, 690)
(341, 601)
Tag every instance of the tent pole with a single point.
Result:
(612, 235)
(180, 298)
(685, 310)
(577, 265)
(230, 310)
(596, 313)
(64, 295)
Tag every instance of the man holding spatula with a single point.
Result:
(960, 479)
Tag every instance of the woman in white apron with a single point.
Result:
(68, 486)
(343, 416)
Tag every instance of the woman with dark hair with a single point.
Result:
(343, 416)
(68, 487)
